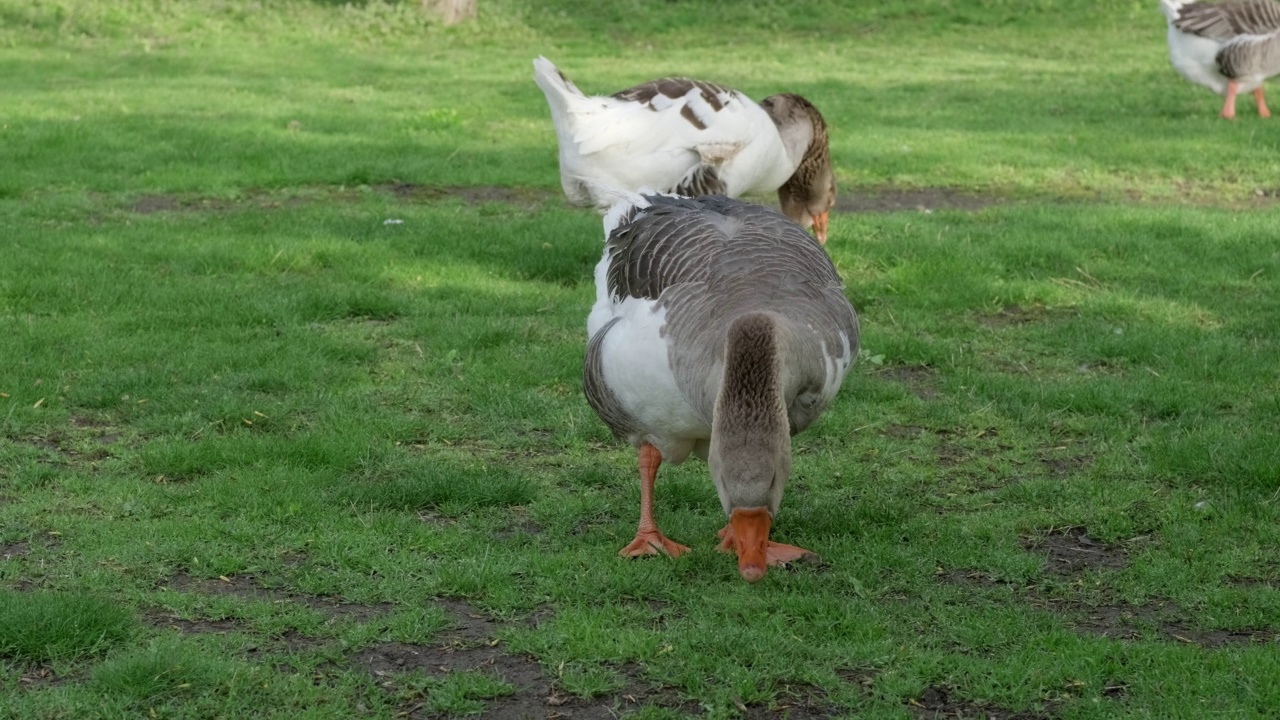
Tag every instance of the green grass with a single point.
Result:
(41, 627)
(233, 396)
(461, 693)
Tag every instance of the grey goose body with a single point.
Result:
(1230, 47)
(720, 329)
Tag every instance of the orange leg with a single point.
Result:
(649, 540)
(1229, 107)
(1262, 103)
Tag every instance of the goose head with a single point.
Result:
(750, 449)
(808, 195)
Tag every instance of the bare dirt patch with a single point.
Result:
(1070, 551)
(1219, 638)
(921, 380)
(1242, 581)
(182, 625)
(148, 204)
(971, 577)
(1121, 621)
(1062, 465)
(255, 199)
(40, 676)
(470, 194)
(1016, 315)
(862, 200)
(247, 586)
(61, 447)
(950, 454)
(890, 199)
(942, 702)
(901, 432)
(956, 448)
(11, 550)
(103, 433)
(472, 645)
(1115, 621)
(796, 702)
(21, 548)
(520, 526)
(263, 199)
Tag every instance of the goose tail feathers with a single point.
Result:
(558, 88)
(623, 206)
(618, 205)
(1172, 8)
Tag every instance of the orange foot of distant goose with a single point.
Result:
(649, 539)
(747, 534)
(1229, 106)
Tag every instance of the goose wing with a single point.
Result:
(1226, 21)
(672, 134)
(707, 260)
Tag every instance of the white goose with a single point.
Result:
(692, 138)
(1229, 47)
(719, 329)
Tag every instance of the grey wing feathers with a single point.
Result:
(684, 240)
(657, 247)
(1227, 20)
(704, 180)
(601, 398)
(1240, 59)
(708, 260)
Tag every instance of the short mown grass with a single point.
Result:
(294, 319)
(48, 626)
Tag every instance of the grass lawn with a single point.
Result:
(291, 420)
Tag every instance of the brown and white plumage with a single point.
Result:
(1229, 47)
(719, 329)
(690, 137)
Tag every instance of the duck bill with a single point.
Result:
(820, 227)
(751, 541)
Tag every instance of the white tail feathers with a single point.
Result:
(1172, 8)
(553, 82)
(620, 210)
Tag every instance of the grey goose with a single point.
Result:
(720, 329)
(1230, 47)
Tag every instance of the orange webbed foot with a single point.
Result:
(652, 542)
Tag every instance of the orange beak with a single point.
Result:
(820, 227)
(751, 541)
